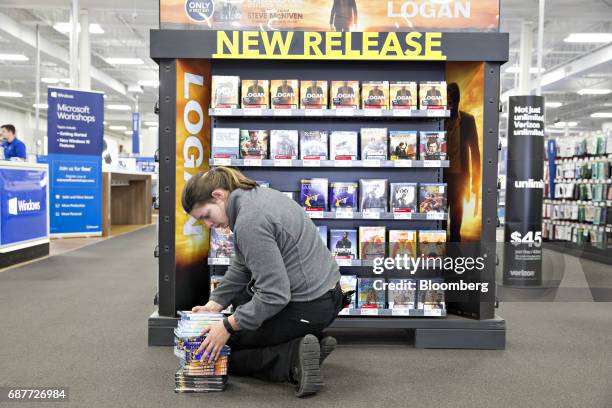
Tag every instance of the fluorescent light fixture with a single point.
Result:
(117, 127)
(151, 124)
(562, 124)
(553, 104)
(153, 128)
(516, 70)
(104, 123)
(13, 57)
(601, 115)
(118, 107)
(128, 132)
(11, 94)
(50, 80)
(152, 83)
(594, 91)
(40, 106)
(65, 80)
(124, 61)
(504, 115)
(65, 28)
(588, 38)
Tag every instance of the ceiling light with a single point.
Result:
(65, 80)
(65, 28)
(152, 124)
(124, 61)
(153, 83)
(104, 123)
(128, 132)
(588, 38)
(40, 105)
(562, 124)
(11, 94)
(153, 128)
(594, 91)
(117, 127)
(118, 107)
(601, 115)
(13, 57)
(50, 80)
(553, 104)
(515, 69)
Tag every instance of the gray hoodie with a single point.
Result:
(278, 246)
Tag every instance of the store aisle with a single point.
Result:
(82, 323)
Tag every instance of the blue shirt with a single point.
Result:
(14, 149)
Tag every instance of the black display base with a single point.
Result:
(23, 255)
(452, 332)
(581, 251)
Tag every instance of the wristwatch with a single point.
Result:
(228, 326)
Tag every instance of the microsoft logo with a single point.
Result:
(12, 206)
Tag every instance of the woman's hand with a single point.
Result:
(211, 306)
(214, 342)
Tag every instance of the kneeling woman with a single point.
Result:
(283, 281)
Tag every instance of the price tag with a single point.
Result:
(343, 262)
(403, 163)
(369, 312)
(344, 312)
(222, 161)
(315, 214)
(371, 215)
(432, 163)
(400, 312)
(220, 261)
(282, 162)
(282, 112)
(252, 111)
(435, 216)
(372, 112)
(402, 112)
(402, 216)
(311, 163)
(313, 112)
(345, 112)
(343, 163)
(252, 162)
(434, 113)
(433, 312)
(371, 163)
(223, 112)
(344, 214)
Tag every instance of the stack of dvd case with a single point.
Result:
(195, 375)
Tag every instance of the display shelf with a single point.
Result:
(330, 113)
(348, 313)
(347, 215)
(607, 227)
(606, 203)
(583, 181)
(593, 158)
(329, 163)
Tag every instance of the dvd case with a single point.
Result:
(284, 94)
(225, 143)
(345, 94)
(343, 145)
(431, 299)
(373, 143)
(343, 196)
(343, 243)
(323, 233)
(402, 242)
(225, 90)
(403, 145)
(313, 144)
(432, 95)
(283, 144)
(403, 95)
(371, 293)
(404, 197)
(313, 94)
(432, 198)
(399, 294)
(254, 144)
(313, 194)
(349, 283)
(375, 95)
(433, 145)
(432, 243)
(255, 93)
(373, 195)
(371, 243)
(221, 243)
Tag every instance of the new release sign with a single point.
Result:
(75, 130)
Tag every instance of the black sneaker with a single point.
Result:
(328, 345)
(306, 370)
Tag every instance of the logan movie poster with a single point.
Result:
(465, 93)
(192, 150)
(331, 15)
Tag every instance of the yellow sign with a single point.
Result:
(412, 46)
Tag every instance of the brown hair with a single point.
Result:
(199, 188)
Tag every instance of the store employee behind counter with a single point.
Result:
(282, 281)
(13, 148)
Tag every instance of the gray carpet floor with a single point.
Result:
(79, 320)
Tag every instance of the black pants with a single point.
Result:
(266, 352)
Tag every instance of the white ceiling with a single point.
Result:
(126, 25)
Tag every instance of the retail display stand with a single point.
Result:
(188, 59)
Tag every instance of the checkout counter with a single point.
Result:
(24, 212)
